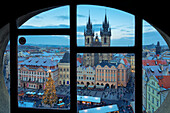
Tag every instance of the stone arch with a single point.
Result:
(112, 86)
(82, 82)
(107, 85)
(88, 83)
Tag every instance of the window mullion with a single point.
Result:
(138, 64)
(73, 52)
(13, 65)
(106, 49)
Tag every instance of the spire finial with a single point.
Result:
(89, 16)
(105, 17)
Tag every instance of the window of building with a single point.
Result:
(157, 103)
(152, 99)
(152, 109)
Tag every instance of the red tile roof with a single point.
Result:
(79, 59)
(165, 81)
(152, 62)
(125, 61)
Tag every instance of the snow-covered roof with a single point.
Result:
(39, 62)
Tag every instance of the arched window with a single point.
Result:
(87, 40)
(105, 40)
(132, 40)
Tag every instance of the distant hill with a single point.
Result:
(152, 46)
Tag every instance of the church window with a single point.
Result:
(88, 41)
(105, 40)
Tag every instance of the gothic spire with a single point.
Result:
(105, 17)
(89, 17)
(89, 30)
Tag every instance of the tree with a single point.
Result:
(49, 96)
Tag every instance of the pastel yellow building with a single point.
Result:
(64, 70)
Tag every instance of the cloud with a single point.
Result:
(80, 33)
(81, 16)
(63, 17)
(80, 37)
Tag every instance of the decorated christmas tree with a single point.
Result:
(49, 96)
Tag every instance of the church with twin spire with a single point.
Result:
(92, 40)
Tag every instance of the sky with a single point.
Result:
(54, 18)
(122, 25)
(151, 35)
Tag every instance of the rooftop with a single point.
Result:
(153, 62)
(164, 82)
(39, 62)
(66, 58)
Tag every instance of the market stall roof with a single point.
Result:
(88, 99)
(100, 86)
(40, 93)
(31, 93)
(90, 86)
(103, 109)
(80, 85)
(61, 104)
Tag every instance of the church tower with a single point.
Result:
(105, 33)
(88, 33)
(158, 48)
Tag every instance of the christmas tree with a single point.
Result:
(49, 96)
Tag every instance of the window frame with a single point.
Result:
(72, 32)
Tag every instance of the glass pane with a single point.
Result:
(155, 61)
(106, 82)
(54, 18)
(99, 26)
(44, 72)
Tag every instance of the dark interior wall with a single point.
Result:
(4, 96)
(155, 12)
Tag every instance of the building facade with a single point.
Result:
(111, 75)
(156, 91)
(33, 72)
(86, 75)
(64, 70)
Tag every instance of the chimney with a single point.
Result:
(161, 67)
